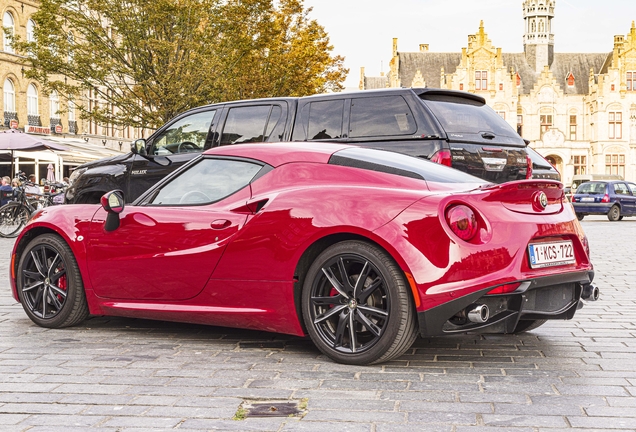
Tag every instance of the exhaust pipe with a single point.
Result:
(478, 313)
(590, 292)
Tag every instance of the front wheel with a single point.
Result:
(357, 306)
(614, 214)
(49, 283)
(13, 217)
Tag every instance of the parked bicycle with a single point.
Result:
(15, 214)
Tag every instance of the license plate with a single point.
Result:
(587, 199)
(551, 254)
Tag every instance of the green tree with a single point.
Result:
(152, 59)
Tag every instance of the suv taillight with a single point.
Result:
(443, 157)
(529, 167)
(605, 199)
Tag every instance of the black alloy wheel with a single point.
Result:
(357, 306)
(49, 283)
(580, 216)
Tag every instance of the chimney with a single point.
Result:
(423, 47)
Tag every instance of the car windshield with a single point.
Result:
(460, 115)
(592, 188)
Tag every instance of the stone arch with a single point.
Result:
(556, 160)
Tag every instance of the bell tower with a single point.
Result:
(538, 39)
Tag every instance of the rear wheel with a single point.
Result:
(13, 217)
(527, 325)
(580, 216)
(357, 306)
(614, 214)
(49, 283)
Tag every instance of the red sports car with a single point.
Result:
(360, 249)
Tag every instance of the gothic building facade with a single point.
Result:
(576, 109)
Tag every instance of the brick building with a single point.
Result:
(577, 109)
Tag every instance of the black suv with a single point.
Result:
(453, 128)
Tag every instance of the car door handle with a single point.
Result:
(220, 224)
(488, 135)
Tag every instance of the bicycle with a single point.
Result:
(15, 214)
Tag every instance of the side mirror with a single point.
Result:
(138, 147)
(113, 203)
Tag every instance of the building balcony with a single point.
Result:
(72, 126)
(8, 116)
(34, 120)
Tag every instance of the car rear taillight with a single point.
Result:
(586, 245)
(503, 289)
(605, 199)
(461, 220)
(443, 157)
(529, 167)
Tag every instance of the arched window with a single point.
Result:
(9, 27)
(9, 96)
(30, 36)
(32, 101)
(54, 103)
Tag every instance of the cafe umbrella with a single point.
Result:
(12, 140)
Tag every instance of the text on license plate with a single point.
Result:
(587, 199)
(551, 254)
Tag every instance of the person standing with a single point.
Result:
(6, 191)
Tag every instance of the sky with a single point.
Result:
(363, 30)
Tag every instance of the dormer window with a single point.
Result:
(518, 80)
(570, 80)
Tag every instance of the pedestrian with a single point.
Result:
(32, 187)
(6, 191)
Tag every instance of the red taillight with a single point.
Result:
(443, 157)
(586, 245)
(507, 288)
(605, 199)
(529, 167)
(461, 219)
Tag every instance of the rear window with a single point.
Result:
(592, 188)
(381, 116)
(460, 115)
(400, 164)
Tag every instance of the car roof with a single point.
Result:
(276, 154)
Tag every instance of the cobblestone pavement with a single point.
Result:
(114, 374)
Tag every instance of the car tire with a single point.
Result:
(49, 283)
(614, 214)
(353, 320)
(580, 216)
(527, 325)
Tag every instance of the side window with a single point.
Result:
(250, 124)
(207, 181)
(185, 135)
(632, 188)
(381, 116)
(325, 120)
(621, 189)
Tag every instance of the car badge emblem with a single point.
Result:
(542, 198)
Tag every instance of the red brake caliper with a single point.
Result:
(62, 284)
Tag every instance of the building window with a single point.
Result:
(481, 80)
(615, 164)
(580, 165)
(570, 80)
(572, 128)
(32, 101)
(71, 110)
(615, 125)
(631, 81)
(71, 43)
(613, 87)
(30, 36)
(54, 103)
(502, 114)
(500, 86)
(9, 96)
(461, 86)
(518, 80)
(546, 122)
(9, 30)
